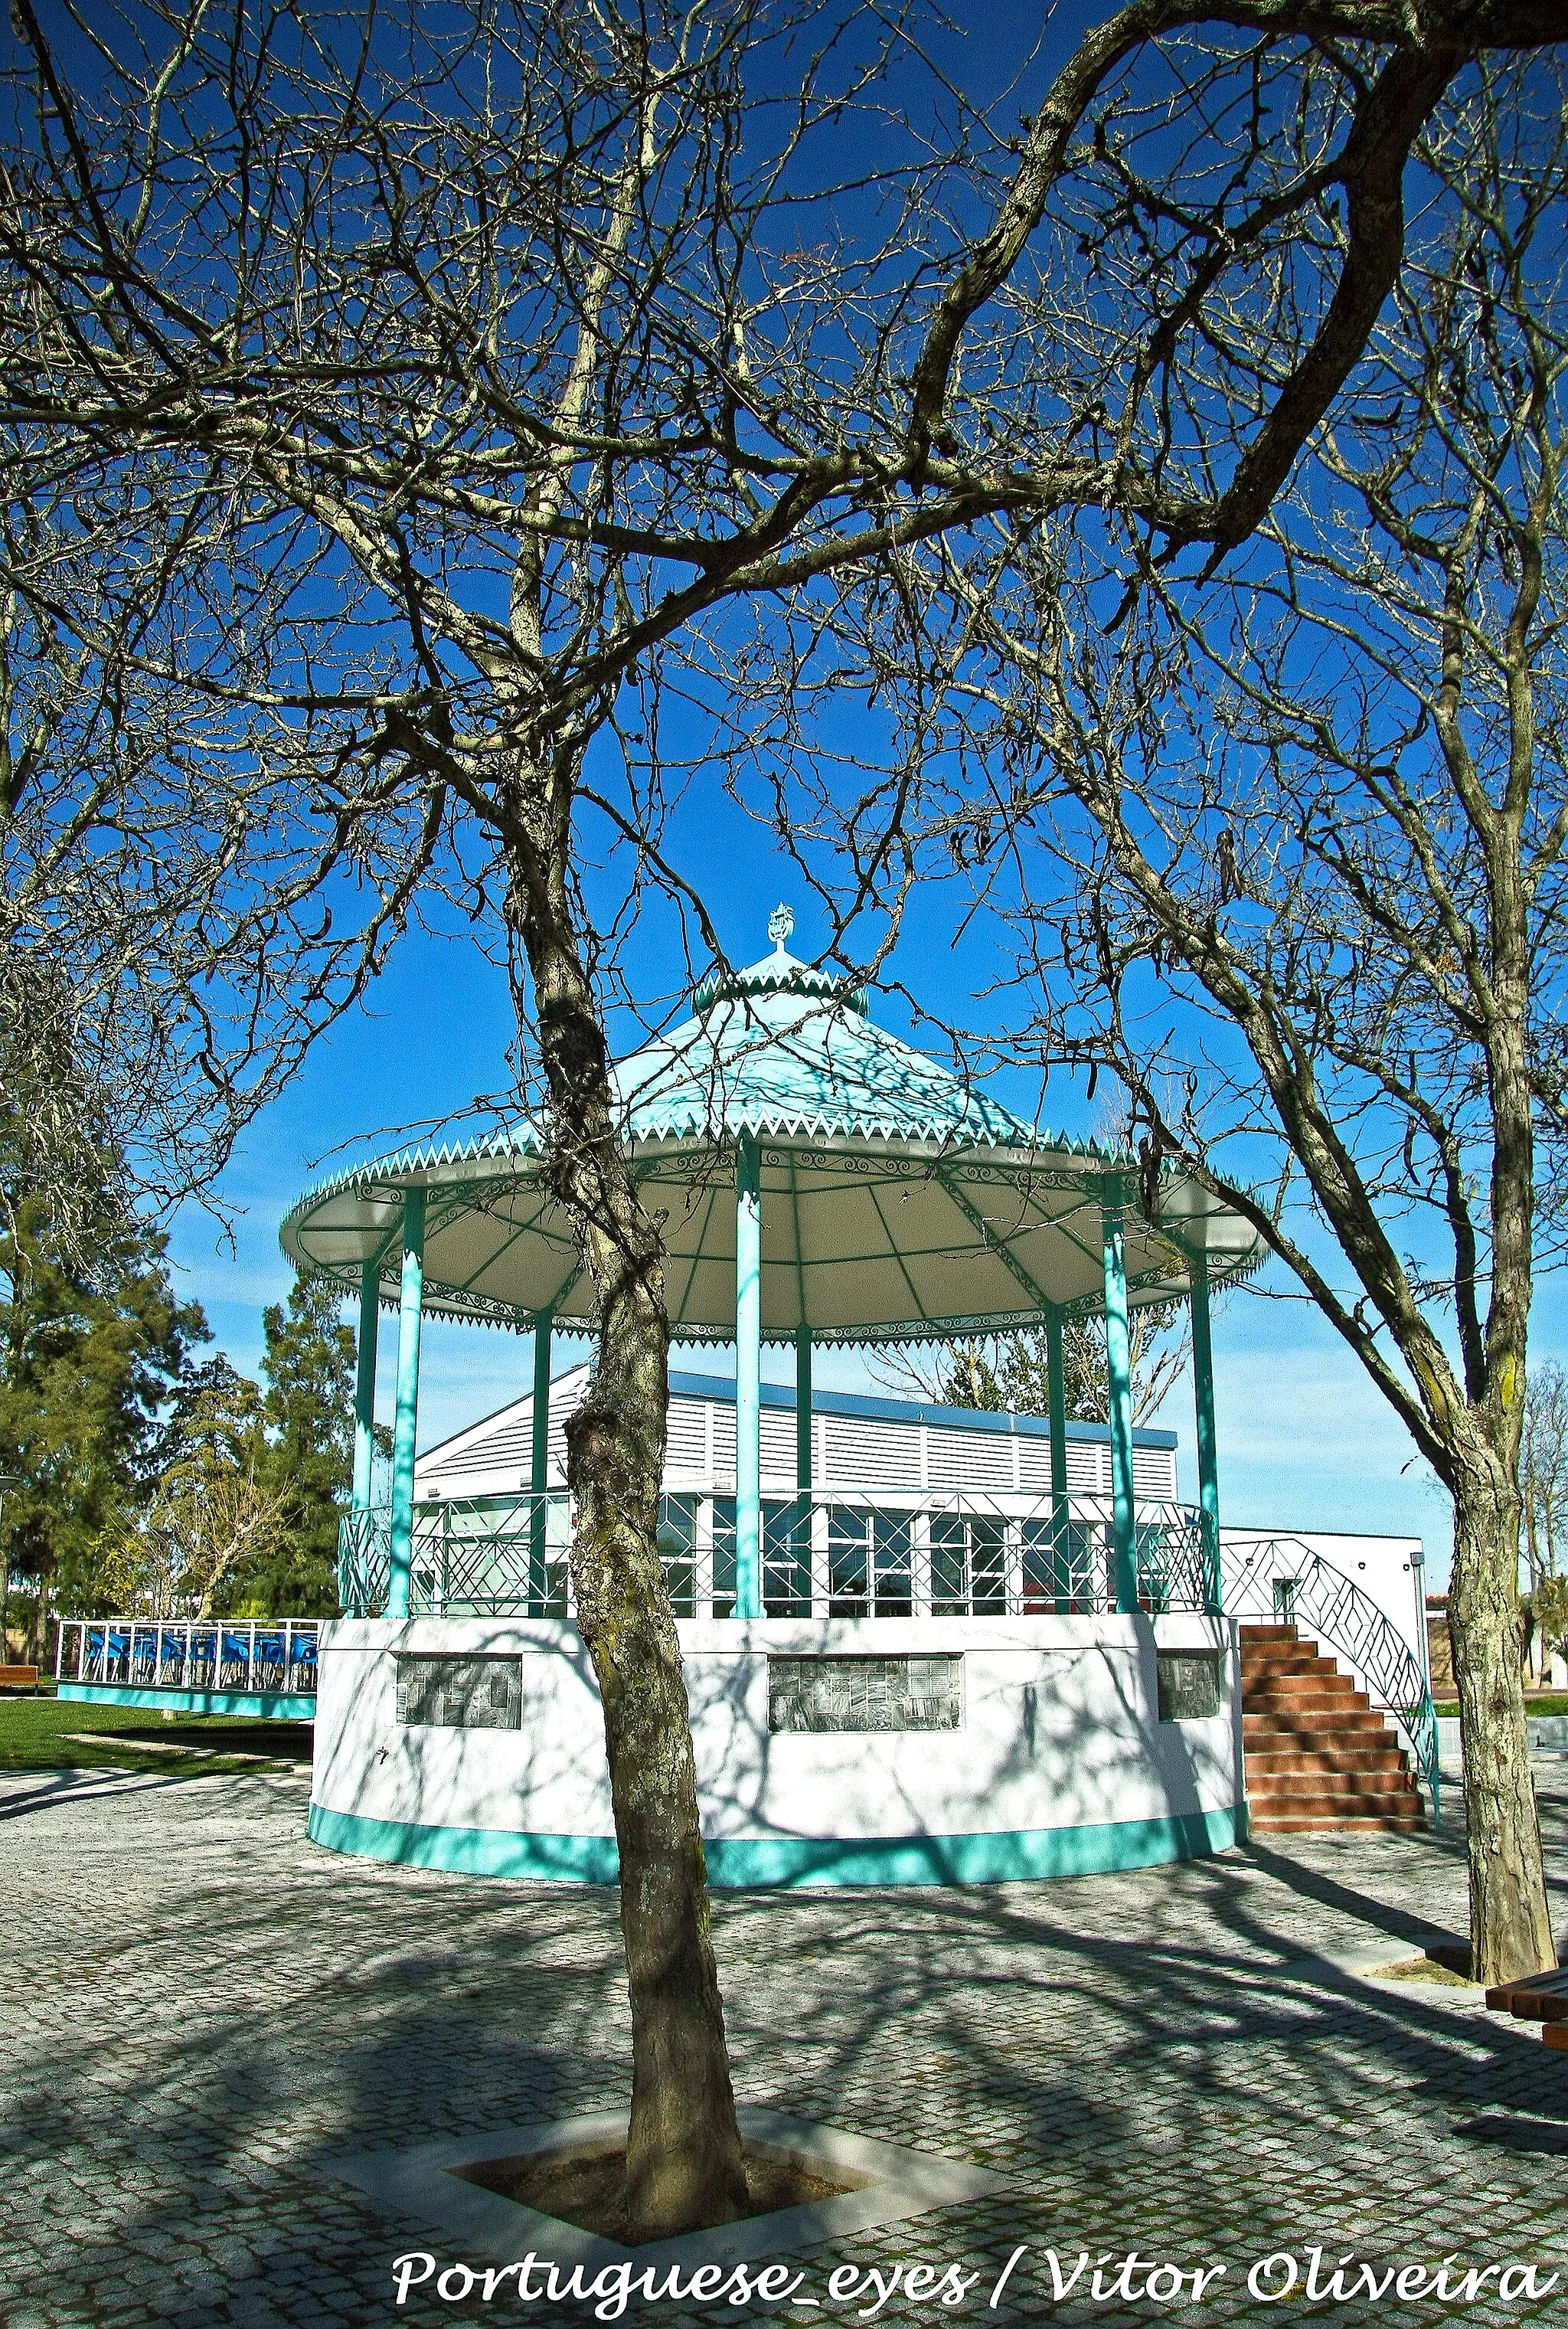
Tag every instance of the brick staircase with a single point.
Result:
(1318, 1757)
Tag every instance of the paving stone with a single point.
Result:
(202, 2008)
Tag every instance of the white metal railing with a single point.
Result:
(827, 1556)
(260, 1656)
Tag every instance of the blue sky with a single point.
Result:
(1304, 1440)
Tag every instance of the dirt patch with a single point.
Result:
(588, 2189)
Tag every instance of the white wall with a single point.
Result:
(1060, 1729)
(1386, 1569)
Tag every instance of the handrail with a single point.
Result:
(1343, 1613)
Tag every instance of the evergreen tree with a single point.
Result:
(93, 1342)
(308, 1367)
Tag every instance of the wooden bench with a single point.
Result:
(18, 1677)
(1541, 1997)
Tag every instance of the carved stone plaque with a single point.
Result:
(1188, 1685)
(865, 1693)
(460, 1693)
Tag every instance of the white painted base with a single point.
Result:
(1061, 1765)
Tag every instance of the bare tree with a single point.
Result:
(526, 341)
(1288, 858)
(218, 1502)
(1543, 1471)
(158, 981)
(1549, 1616)
(1012, 1371)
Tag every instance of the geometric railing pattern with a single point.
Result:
(960, 1555)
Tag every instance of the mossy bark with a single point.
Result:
(683, 2161)
(1510, 1926)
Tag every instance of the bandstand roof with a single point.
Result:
(898, 1203)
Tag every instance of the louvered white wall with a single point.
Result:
(689, 1440)
(777, 1436)
(1153, 1471)
(860, 1451)
(1034, 1461)
(973, 1460)
(854, 1453)
(495, 1457)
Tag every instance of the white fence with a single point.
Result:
(261, 1657)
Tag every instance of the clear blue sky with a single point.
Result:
(1304, 1440)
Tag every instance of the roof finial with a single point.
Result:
(781, 922)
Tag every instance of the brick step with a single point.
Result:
(1298, 1685)
(1339, 1790)
(1324, 1701)
(1278, 1662)
(1319, 1757)
(1357, 1790)
(1294, 1685)
(1287, 1738)
(1353, 1757)
(1334, 1714)
(1555, 2033)
(1539, 1997)
(1276, 1824)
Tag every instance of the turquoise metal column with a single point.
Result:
(408, 1418)
(365, 1383)
(801, 1532)
(1056, 1407)
(1208, 1467)
(747, 1378)
(1119, 1369)
(538, 1475)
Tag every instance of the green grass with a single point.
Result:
(32, 1738)
(1549, 1704)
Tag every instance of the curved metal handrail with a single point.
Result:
(1344, 1615)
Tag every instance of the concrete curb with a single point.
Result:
(893, 2183)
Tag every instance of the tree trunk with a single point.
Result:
(683, 2156)
(684, 2165)
(1510, 1925)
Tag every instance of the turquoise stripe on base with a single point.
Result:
(742, 1863)
(273, 1705)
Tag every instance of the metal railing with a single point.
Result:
(1337, 1611)
(827, 1556)
(272, 1658)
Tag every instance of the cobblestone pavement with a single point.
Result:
(203, 2008)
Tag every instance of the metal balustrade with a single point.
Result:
(1333, 1609)
(838, 1557)
(236, 1656)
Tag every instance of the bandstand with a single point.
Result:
(891, 1679)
